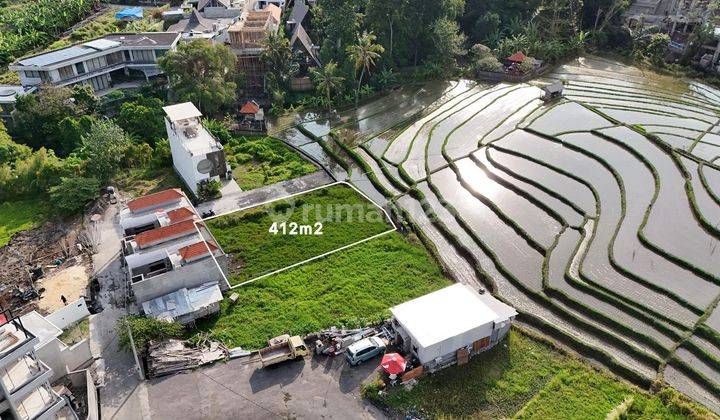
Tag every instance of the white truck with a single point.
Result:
(286, 348)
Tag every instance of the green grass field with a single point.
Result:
(22, 215)
(525, 378)
(260, 160)
(346, 217)
(345, 288)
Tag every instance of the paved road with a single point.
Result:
(312, 388)
(228, 203)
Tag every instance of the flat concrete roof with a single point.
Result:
(183, 111)
(40, 327)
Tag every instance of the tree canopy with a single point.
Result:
(202, 73)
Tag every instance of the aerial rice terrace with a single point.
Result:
(597, 216)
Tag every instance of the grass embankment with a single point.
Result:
(345, 215)
(21, 215)
(260, 160)
(137, 182)
(524, 378)
(345, 288)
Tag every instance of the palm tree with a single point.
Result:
(364, 54)
(327, 80)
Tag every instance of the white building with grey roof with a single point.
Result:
(101, 63)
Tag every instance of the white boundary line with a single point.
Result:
(344, 247)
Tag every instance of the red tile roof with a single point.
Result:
(181, 214)
(196, 250)
(249, 107)
(164, 233)
(154, 200)
(518, 57)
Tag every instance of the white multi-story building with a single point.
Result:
(101, 63)
(25, 391)
(197, 155)
(175, 267)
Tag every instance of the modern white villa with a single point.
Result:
(197, 155)
(101, 63)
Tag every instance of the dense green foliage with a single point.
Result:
(18, 215)
(348, 288)
(259, 160)
(144, 118)
(145, 330)
(103, 149)
(346, 218)
(36, 24)
(202, 73)
(38, 116)
(524, 378)
(73, 193)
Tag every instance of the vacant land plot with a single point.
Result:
(259, 161)
(345, 288)
(273, 236)
(17, 216)
(524, 378)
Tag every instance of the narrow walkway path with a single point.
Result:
(243, 199)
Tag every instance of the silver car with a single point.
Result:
(365, 349)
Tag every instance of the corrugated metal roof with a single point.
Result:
(182, 302)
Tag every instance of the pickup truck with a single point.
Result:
(288, 349)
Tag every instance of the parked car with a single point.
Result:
(365, 349)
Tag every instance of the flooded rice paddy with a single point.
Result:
(597, 216)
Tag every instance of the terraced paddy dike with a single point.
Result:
(596, 216)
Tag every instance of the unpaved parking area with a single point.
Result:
(311, 388)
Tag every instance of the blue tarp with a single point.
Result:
(130, 13)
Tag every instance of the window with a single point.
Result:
(143, 56)
(160, 53)
(44, 76)
(32, 74)
(127, 55)
(66, 72)
(95, 63)
(114, 58)
(80, 68)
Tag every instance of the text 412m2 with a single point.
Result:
(292, 228)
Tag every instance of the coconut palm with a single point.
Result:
(327, 80)
(364, 53)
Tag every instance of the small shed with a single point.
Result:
(129, 14)
(552, 91)
(451, 324)
(185, 305)
(251, 110)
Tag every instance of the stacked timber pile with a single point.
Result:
(336, 340)
(171, 356)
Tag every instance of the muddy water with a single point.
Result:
(698, 392)
(454, 122)
(708, 207)
(645, 104)
(568, 214)
(563, 253)
(316, 151)
(511, 121)
(566, 117)
(562, 185)
(398, 149)
(377, 146)
(597, 264)
(512, 250)
(464, 140)
(639, 190)
(641, 118)
(414, 158)
(377, 171)
(705, 151)
(712, 176)
(677, 131)
(536, 222)
(684, 237)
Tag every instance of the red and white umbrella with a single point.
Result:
(393, 363)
